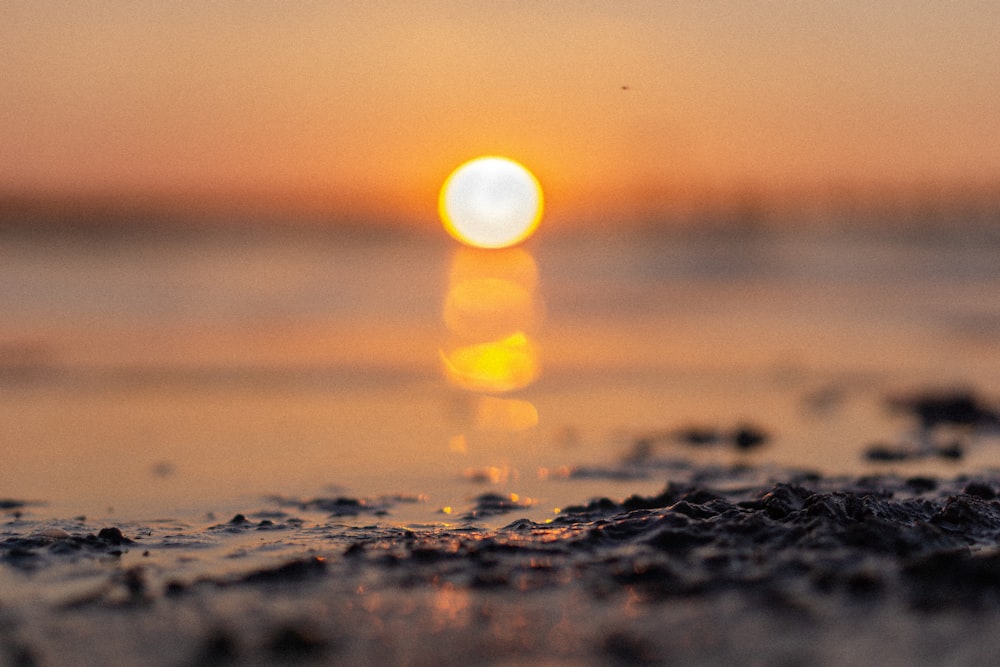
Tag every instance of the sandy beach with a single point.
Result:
(726, 563)
(721, 566)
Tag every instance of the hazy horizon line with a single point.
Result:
(91, 211)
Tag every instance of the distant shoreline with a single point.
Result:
(110, 213)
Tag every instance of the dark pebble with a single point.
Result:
(749, 437)
(635, 502)
(520, 526)
(174, 588)
(967, 513)
(784, 499)
(958, 407)
(952, 452)
(885, 453)
(339, 506)
(296, 570)
(113, 536)
(696, 436)
(979, 490)
(597, 505)
(489, 504)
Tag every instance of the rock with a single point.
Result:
(113, 536)
(958, 407)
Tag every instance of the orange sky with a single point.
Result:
(366, 106)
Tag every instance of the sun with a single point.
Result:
(491, 202)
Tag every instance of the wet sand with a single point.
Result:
(725, 565)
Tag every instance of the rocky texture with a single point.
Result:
(803, 568)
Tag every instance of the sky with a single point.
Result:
(363, 108)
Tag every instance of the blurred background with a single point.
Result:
(357, 113)
(222, 272)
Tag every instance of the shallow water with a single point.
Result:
(171, 376)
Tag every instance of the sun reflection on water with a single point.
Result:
(491, 312)
(505, 414)
(493, 366)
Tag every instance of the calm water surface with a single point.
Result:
(147, 378)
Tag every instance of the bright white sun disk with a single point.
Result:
(491, 202)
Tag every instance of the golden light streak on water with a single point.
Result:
(490, 311)
(494, 366)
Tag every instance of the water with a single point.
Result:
(188, 373)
